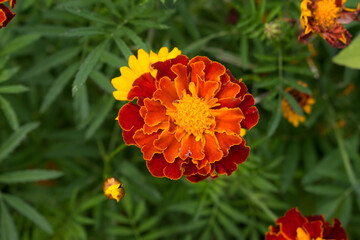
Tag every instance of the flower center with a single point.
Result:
(193, 115)
(301, 234)
(326, 13)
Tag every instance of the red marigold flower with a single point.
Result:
(113, 189)
(188, 119)
(294, 226)
(5, 13)
(304, 100)
(326, 18)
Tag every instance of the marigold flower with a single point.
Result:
(113, 189)
(139, 66)
(5, 13)
(188, 119)
(304, 100)
(326, 18)
(294, 226)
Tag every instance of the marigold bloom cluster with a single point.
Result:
(188, 117)
(294, 226)
(304, 100)
(5, 13)
(326, 18)
(113, 189)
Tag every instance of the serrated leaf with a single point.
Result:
(100, 117)
(19, 43)
(8, 228)
(123, 47)
(293, 103)
(9, 114)
(15, 139)
(349, 56)
(29, 212)
(52, 61)
(57, 87)
(90, 15)
(13, 89)
(88, 65)
(33, 175)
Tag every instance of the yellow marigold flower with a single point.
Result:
(137, 67)
(326, 18)
(304, 100)
(113, 189)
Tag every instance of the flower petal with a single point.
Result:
(212, 149)
(181, 80)
(196, 178)
(156, 165)
(146, 143)
(315, 229)
(226, 141)
(170, 146)
(173, 170)
(166, 93)
(143, 87)
(155, 112)
(227, 120)
(130, 121)
(164, 68)
(191, 148)
(237, 155)
(336, 231)
(290, 222)
(5, 15)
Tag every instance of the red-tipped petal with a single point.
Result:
(237, 155)
(290, 222)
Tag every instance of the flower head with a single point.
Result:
(294, 226)
(5, 13)
(188, 119)
(137, 67)
(113, 189)
(304, 100)
(326, 18)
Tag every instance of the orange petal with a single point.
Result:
(173, 170)
(212, 149)
(227, 120)
(148, 130)
(197, 71)
(155, 114)
(146, 143)
(226, 141)
(181, 80)
(207, 90)
(170, 146)
(191, 148)
(214, 71)
(166, 93)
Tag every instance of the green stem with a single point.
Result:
(108, 159)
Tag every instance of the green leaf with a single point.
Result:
(15, 139)
(33, 175)
(84, 31)
(233, 213)
(9, 114)
(149, 24)
(102, 81)
(293, 103)
(349, 56)
(100, 117)
(90, 15)
(289, 165)
(119, 231)
(58, 86)
(81, 104)
(229, 226)
(87, 66)
(298, 86)
(139, 211)
(52, 61)
(29, 212)
(6, 74)
(150, 223)
(275, 119)
(13, 89)
(190, 24)
(91, 202)
(123, 47)
(8, 228)
(19, 43)
(325, 189)
(134, 38)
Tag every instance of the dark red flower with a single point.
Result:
(5, 13)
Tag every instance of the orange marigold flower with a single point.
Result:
(113, 189)
(326, 18)
(5, 13)
(188, 119)
(294, 226)
(304, 100)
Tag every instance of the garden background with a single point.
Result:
(59, 138)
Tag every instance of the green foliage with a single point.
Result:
(59, 138)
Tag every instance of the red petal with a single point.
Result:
(191, 148)
(130, 121)
(197, 70)
(189, 168)
(164, 68)
(315, 229)
(196, 178)
(214, 71)
(5, 15)
(228, 90)
(146, 143)
(228, 102)
(173, 170)
(237, 155)
(181, 80)
(251, 118)
(143, 87)
(156, 112)
(273, 236)
(290, 222)
(156, 165)
(336, 231)
(170, 146)
(212, 149)
(166, 93)
(226, 141)
(227, 120)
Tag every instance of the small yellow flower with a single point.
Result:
(113, 189)
(137, 67)
(304, 100)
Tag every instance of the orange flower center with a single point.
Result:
(326, 13)
(193, 115)
(301, 234)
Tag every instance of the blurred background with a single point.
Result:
(59, 139)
